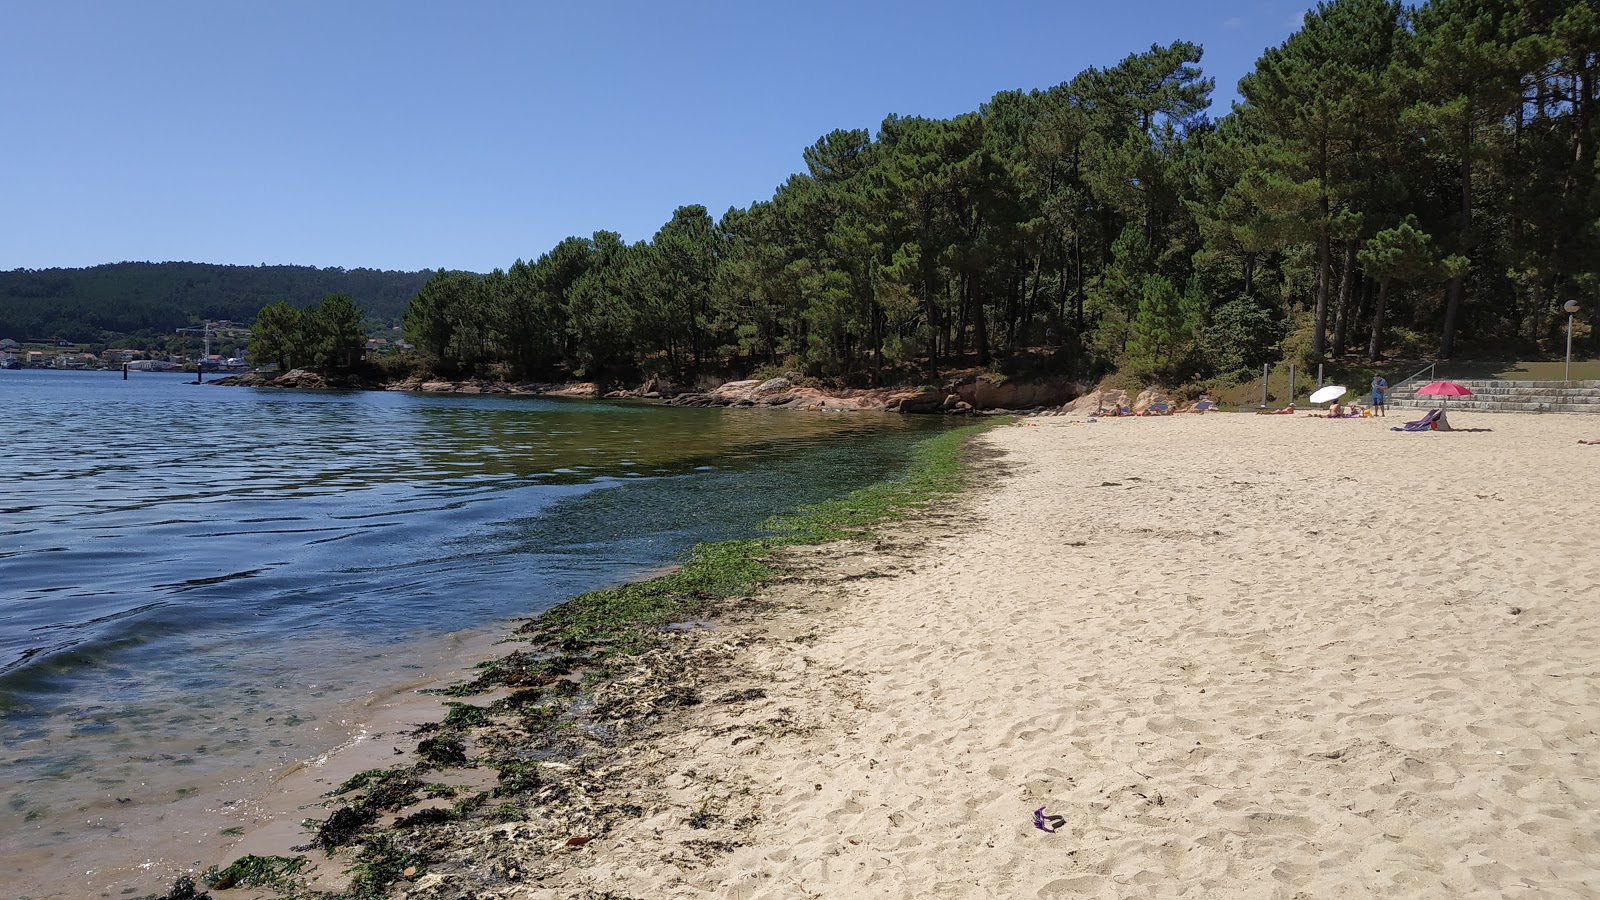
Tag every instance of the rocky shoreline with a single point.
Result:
(964, 395)
(971, 395)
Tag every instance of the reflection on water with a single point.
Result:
(195, 579)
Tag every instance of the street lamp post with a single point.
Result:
(1571, 307)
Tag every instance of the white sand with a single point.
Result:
(1278, 658)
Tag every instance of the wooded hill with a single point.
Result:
(1413, 180)
(150, 300)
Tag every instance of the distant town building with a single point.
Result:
(153, 365)
(8, 344)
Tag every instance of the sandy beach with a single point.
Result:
(1238, 656)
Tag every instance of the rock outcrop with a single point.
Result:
(968, 396)
(780, 392)
(300, 378)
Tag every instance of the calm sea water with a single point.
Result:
(192, 577)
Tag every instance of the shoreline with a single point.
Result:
(215, 817)
(884, 716)
(687, 596)
(971, 394)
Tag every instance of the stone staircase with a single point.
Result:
(1492, 395)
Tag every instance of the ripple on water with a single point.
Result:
(204, 583)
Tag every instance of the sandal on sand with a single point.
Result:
(1040, 821)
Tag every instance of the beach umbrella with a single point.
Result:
(1444, 390)
(1331, 392)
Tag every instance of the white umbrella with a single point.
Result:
(1331, 392)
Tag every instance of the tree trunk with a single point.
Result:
(877, 345)
(1452, 305)
(1077, 316)
(1249, 274)
(1033, 295)
(1375, 345)
(947, 327)
(1362, 296)
(1341, 315)
(1319, 339)
(1319, 336)
(980, 324)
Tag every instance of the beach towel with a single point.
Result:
(1433, 421)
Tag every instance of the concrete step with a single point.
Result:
(1463, 404)
(1577, 395)
(1489, 382)
(1509, 397)
(1491, 395)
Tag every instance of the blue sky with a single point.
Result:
(409, 135)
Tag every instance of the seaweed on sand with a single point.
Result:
(598, 669)
(278, 872)
(379, 864)
(385, 790)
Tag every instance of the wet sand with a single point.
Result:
(1238, 656)
(167, 827)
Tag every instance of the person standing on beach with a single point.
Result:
(1380, 387)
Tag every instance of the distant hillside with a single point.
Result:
(151, 299)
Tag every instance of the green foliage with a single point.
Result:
(330, 333)
(1425, 170)
(1241, 336)
(139, 304)
(1157, 333)
(275, 336)
(443, 320)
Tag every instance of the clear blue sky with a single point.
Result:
(410, 135)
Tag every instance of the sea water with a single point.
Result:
(199, 581)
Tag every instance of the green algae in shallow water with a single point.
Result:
(577, 637)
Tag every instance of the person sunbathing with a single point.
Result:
(1286, 411)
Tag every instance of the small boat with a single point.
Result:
(9, 362)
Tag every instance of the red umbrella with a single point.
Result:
(1443, 389)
